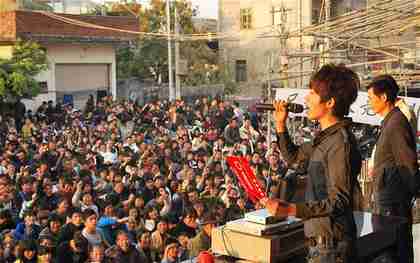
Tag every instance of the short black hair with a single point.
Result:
(88, 213)
(339, 83)
(76, 210)
(120, 233)
(189, 211)
(53, 218)
(29, 213)
(170, 241)
(385, 84)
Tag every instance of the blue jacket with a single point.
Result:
(20, 234)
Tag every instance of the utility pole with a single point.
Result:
(301, 43)
(269, 113)
(168, 28)
(327, 40)
(177, 73)
(64, 2)
(283, 33)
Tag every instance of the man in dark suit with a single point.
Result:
(395, 169)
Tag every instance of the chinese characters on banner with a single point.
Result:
(359, 111)
(246, 177)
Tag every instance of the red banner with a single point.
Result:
(246, 177)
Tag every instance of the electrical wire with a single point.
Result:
(184, 37)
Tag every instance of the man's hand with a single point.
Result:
(280, 115)
(280, 208)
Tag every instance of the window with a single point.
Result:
(348, 10)
(279, 16)
(241, 72)
(43, 86)
(315, 16)
(246, 18)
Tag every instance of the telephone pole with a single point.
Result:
(168, 28)
(327, 41)
(269, 113)
(283, 33)
(177, 73)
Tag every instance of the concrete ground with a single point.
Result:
(416, 237)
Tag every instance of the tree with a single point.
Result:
(226, 77)
(17, 74)
(32, 5)
(148, 59)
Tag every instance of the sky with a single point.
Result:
(207, 8)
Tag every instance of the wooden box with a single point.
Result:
(264, 249)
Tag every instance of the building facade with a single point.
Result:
(262, 42)
(81, 58)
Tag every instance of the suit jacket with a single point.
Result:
(395, 161)
(332, 162)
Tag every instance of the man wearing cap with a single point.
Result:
(202, 242)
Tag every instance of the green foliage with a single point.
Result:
(231, 86)
(31, 5)
(148, 59)
(17, 73)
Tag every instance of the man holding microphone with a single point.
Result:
(332, 162)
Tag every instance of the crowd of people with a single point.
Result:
(119, 182)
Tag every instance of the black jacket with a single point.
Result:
(395, 161)
(332, 162)
(66, 255)
(118, 256)
(231, 135)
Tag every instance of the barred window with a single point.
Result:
(246, 18)
(241, 71)
(279, 16)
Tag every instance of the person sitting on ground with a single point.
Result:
(202, 242)
(73, 251)
(123, 251)
(171, 251)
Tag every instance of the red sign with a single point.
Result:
(246, 177)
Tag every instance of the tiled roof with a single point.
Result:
(40, 25)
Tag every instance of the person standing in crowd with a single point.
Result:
(19, 114)
(395, 168)
(332, 161)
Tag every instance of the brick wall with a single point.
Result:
(7, 26)
(39, 24)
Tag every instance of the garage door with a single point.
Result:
(80, 80)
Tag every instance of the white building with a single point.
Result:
(256, 28)
(81, 58)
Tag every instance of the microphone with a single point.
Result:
(292, 107)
